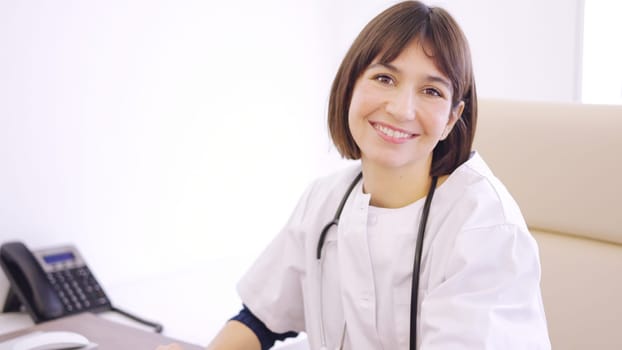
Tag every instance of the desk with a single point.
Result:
(107, 334)
(187, 303)
(12, 324)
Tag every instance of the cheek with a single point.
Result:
(356, 103)
(365, 102)
(357, 108)
(435, 119)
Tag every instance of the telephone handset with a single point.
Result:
(50, 283)
(53, 283)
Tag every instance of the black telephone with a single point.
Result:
(53, 283)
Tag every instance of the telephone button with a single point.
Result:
(77, 288)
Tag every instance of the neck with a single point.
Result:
(395, 188)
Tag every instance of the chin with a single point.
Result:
(389, 162)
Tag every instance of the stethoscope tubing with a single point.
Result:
(335, 221)
(414, 292)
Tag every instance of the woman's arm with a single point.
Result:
(490, 296)
(235, 336)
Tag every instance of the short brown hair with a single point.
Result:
(387, 35)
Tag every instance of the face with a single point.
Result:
(400, 110)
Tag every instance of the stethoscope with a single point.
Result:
(416, 265)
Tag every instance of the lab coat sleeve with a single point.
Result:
(490, 297)
(272, 288)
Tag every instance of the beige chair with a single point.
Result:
(563, 165)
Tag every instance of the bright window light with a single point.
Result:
(602, 52)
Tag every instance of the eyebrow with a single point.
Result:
(429, 77)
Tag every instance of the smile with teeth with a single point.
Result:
(392, 132)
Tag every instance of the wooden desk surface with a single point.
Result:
(107, 334)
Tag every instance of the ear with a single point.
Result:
(455, 114)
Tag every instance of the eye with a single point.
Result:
(432, 92)
(384, 79)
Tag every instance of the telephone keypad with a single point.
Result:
(77, 288)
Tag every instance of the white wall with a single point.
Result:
(521, 49)
(149, 126)
(156, 134)
(602, 72)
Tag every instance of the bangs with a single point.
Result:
(438, 39)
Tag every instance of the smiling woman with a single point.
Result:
(398, 114)
(443, 48)
(376, 256)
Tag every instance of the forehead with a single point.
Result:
(413, 56)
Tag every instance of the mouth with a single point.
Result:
(392, 134)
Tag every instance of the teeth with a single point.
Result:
(391, 132)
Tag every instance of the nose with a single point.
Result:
(401, 105)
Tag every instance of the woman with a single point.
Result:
(404, 103)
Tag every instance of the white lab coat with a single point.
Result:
(480, 273)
